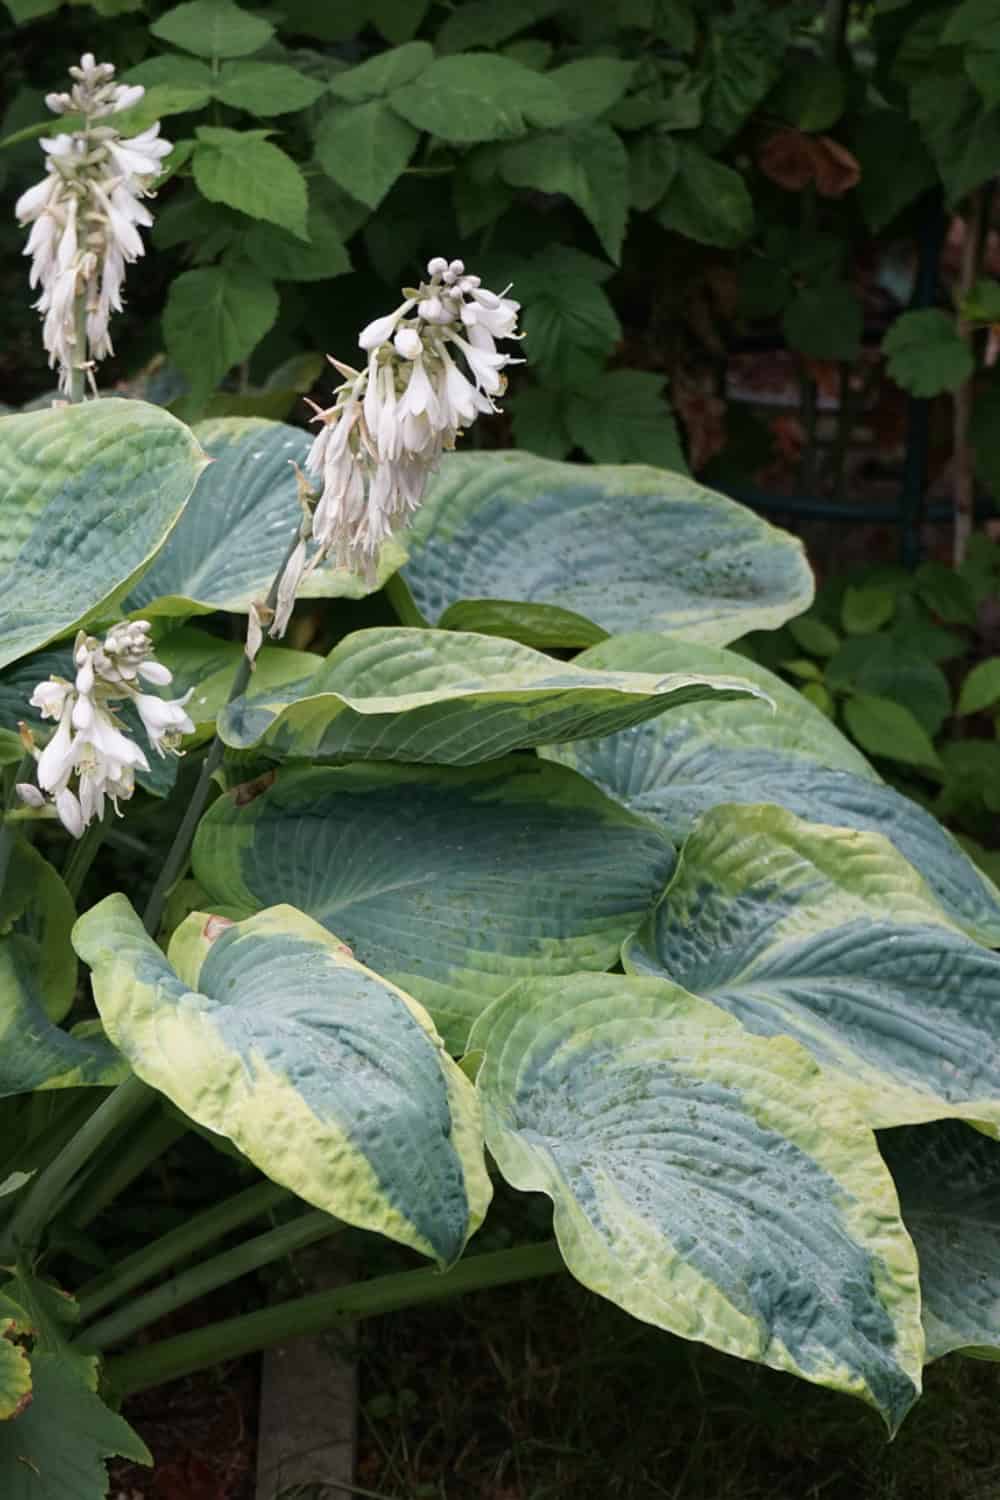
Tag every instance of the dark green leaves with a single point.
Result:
(707, 201)
(213, 28)
(480, 97)
(243, 169)
(587, 163)
(214, 318)
(364, 147)
(926, 355)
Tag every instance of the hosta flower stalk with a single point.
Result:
(91, 757)
(432, 368)
(85, 216)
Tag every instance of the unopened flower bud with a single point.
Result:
(408, 343)
(29, 794)
(437, 266)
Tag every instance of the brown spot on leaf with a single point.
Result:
(247, 791)
(215, 927)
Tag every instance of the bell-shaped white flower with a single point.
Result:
(85, 215)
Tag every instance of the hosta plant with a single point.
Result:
(634, 928)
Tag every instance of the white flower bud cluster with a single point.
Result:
(91, 756)
(84, 215)
(433, 367)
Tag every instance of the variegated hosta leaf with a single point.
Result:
(15, 1372)
(38, 972)
(557, 554)
(88, 495)
(238, 525)
(457, 699)
(712, 752)
(708, 1181)
(830, 936)
(948, 1179)
(453, 883)
(207, 664)
(37, 985)
(329, 1078)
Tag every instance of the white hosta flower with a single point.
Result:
(91, 757)
(433, 367)
(84, 216)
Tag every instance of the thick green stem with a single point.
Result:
(200, 1280)
(204, 1229)
(23, 1234)
(82, 854)
(107, 1180)
(78, 374)
(321, 1311)
(177, 855)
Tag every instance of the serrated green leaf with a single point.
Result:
(214, 319)
(213, 28)
(451, 699)
(684, 559)
(479, 23)
(653, 160)
(328, 1078)
(281, 255)
(883, 727)
(244, 170)
(812, 96)
(539, 425)
(706, 1180)
(452, 883)
(948, 1178)
(480, 96)
(829, 936)
(814, 635)
(588, 163)
(742, 61)
(266, 88)
(186, 76)
(593, 85)
(241, 519)
(569, 326)
(884, 664)
(825, 321)
(125, 466)
(383, 73)
(981, 689)
(397, 20)
(623, 418)
(707, 201)
(982, 305)
(962, 135)
(364, 148)
(895, 165)
(926, 354)
(946, 592)
(34, 1466)
(864, 610)
(676, 768)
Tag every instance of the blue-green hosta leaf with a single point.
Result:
(37, 984)
(830, 936)
(434, 695)
(328, 1077)
(88, 495)
(948, 1178)
(708, 1181)
(452, 883)
(236, 529)
(674, 769)
(566, 554)
(208, 663)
